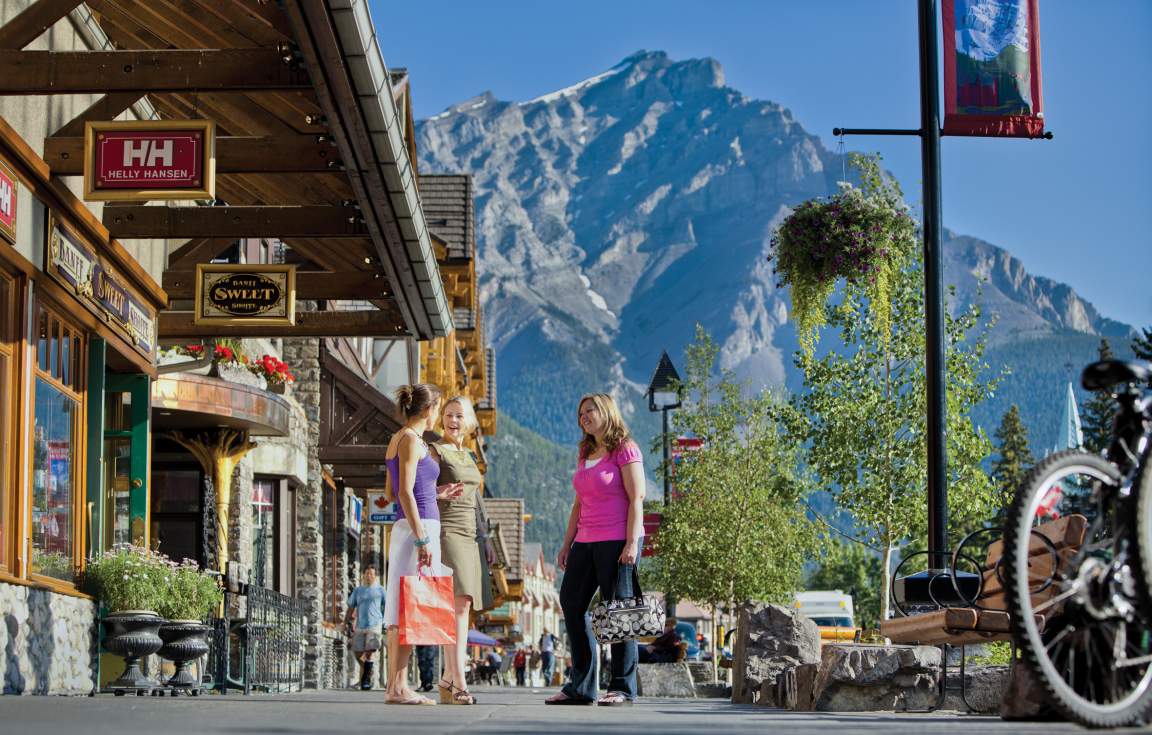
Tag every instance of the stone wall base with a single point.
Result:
(49, 642)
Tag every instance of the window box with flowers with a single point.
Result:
(274, 371)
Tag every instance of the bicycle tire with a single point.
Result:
(1142, 543)
(1132, 709)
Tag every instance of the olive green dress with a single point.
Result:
(458, 546)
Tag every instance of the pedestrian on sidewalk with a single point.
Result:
(415, 542)
(547, 656)
(426, 663)
(665, 649)
(533, 665)
(366, 618)
(520, 663)
(601, 547)
(458, 527)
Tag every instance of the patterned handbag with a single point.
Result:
(627, 618)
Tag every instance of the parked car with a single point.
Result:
(687, 633)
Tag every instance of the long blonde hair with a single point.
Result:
(615, 431)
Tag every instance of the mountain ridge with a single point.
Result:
(616, 213)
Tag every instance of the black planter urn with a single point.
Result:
(132, 635)
(184, 641)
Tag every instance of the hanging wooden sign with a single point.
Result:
(7, 203)
(143, 160)
(245, 294)
(71, 261)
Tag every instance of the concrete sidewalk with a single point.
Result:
(501, 710)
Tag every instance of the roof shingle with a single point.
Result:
(449, 211)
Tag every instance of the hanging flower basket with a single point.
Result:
(274, 371)
(861, 235)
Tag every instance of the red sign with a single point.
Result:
(7, 203)
(141, 160)
(651, 530)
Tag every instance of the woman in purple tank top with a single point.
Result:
(415, 542)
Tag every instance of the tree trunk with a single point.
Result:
(885, 579)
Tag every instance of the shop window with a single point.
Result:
(265, 560)
(57, 479)
(8, 392)
(333, 549)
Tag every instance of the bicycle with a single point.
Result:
(1082, 616)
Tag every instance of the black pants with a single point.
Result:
(591, 567)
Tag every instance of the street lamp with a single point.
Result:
(663, 396)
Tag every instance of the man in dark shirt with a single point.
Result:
(665, 649)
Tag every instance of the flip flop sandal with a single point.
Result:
(419, 701)
(564, 699)
(614, 699)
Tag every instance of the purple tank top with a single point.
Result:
(427, 472)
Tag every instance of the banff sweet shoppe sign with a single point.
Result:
(149, 160)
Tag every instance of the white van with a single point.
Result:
(831, 610)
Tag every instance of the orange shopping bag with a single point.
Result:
(426, 615)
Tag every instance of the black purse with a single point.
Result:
(628, 618)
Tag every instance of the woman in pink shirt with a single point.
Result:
(603, 539)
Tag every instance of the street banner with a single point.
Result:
(145, 160)
(992, 68)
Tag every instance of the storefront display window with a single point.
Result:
(264, 556)
(8, 443)
(56, 476)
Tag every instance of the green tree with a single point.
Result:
(1098, 411)
(865, 411)
(853, 568)
(1013, 457)
(736, 530)
(1142, 345)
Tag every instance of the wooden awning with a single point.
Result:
(356, 423)
(311, 150)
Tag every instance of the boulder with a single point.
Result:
(713, 690)
(702, 672)
(864, 678)
(666, 680)
(806, 678)
(1024, 697)
(984, 688)
(786, 688)
(769, 639)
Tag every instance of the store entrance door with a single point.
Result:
(125, 444)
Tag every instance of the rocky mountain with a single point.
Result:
(615, 214)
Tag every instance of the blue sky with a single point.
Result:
(1077, 209)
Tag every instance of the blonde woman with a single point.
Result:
(415, 542)
(458, 536)
(603, 539)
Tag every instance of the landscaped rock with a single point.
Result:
(862, 678)
(666, 680)
(702, 672)
(769, 639)
(1024, 698)
(806, 678)
(984, 688)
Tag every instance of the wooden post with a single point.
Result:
(218, 454)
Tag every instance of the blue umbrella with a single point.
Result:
(476, 638)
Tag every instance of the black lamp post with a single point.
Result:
(663, 396)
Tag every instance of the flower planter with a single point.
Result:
(184, 642)
(278, 388)
(132, 634)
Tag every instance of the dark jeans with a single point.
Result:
(520, 672)
(426, 662)
(591, 567)
(547, 664)
(659, 656)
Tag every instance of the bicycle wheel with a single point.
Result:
(1142, 542)
(1072, 606)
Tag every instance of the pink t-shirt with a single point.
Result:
(603, 499)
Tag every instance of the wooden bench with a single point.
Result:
(988, 619)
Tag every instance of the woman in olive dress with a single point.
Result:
(458, 537)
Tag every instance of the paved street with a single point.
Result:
(500, 711)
